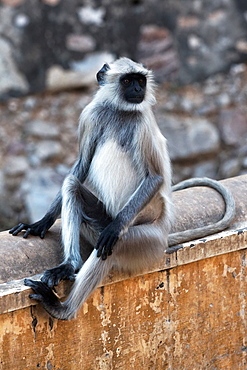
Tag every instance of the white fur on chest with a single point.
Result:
(112, 176)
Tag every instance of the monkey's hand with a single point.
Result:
(107, 240)
(38, 228)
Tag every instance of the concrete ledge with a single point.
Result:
(186, 312)
(14, 295)
(195, 207)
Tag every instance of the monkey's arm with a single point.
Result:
(144, 193)
(40, 227)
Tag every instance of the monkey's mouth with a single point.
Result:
(135, 99)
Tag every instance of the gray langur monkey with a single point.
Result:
(117, 195)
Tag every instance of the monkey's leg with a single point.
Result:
(78, 205)
(71, 221)
(141, 246)
(89, 277)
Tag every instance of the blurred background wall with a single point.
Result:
(50, 52)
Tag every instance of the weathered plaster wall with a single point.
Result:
(190, 315)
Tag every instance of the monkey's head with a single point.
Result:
(126, 84)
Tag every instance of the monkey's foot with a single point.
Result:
(52, 277)
(48, 299)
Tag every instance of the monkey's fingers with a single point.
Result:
(37, 229)
(18, 228)
(105, 253)
(28, 231)
(105, 246)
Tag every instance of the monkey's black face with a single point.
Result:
(133, 87)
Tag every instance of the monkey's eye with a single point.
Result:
(126, 81)
(142, 82)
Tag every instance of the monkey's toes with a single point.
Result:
(42, 292)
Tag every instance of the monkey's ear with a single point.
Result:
(101, 74)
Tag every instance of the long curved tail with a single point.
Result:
(191, 234)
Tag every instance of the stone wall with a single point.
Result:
(51, 44)
(205, 124)
(197, 50)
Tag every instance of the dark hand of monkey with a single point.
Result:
(107, 240)
(38, 228)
